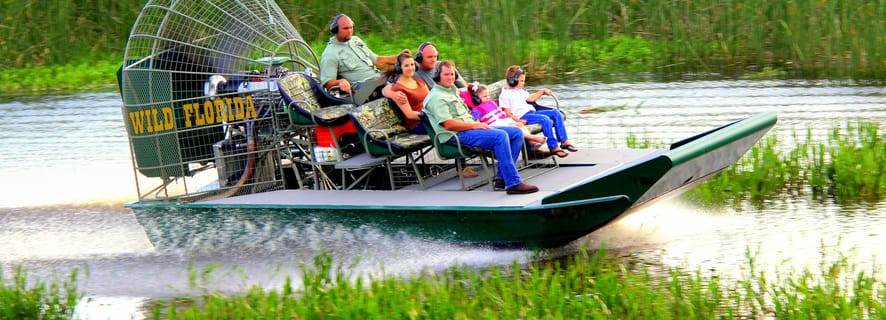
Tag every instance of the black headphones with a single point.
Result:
(333, 27)
(514, 79)
(437, 71)
(418, 56)
(475, 99)
(398, 69)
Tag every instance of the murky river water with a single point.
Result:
(66, 172)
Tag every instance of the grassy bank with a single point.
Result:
(23, 297)
(591, 39)
(597, 286)
(594, 286)
(848, 166)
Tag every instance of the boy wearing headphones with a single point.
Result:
(349, 64)
(448, 112)
(517, 102)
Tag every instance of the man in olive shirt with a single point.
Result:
(447, 111)
(349, 64)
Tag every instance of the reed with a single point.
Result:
(585, 285)
(557, 40)
(848, 166)
(23, 297)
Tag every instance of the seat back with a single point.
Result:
(494, 89)
(308, 104)
(451, 149)
(377, 124)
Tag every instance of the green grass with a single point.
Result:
(847, 167)
(24, 297)
(598, 39)
(83, 76)
(583, 286)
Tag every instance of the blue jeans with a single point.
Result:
(420, 129)
(505, 142)
(551, 121)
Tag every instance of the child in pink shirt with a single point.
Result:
(487, 111)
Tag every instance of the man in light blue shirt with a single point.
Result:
(349, 64)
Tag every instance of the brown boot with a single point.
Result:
(522, 188)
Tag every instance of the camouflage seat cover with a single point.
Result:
(383, 131)
(300, 92)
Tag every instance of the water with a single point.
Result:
(67, 174)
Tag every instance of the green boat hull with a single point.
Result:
(569, 207)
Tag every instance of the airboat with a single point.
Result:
(225, 117)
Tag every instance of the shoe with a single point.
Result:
(561, 153)
(569, 147)
(469, 173)
(522, 188)
(498, 184)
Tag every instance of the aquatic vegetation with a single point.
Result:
(593, 40)
(847, 167)
(767, 73)
(601, 109)
(83, 76)
(584, 285)
(24, 297)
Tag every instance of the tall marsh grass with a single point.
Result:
(24, 297)
(848, 166)
(554, 39)
(584, 286)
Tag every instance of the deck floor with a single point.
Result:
(574, 169)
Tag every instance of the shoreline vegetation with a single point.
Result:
(49, 46)
(79, 44)
(847, 167)
(594, 285)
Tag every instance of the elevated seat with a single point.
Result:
(382, 130)
(309, 107)
(455, 150)
(383, 133)
(307, 103)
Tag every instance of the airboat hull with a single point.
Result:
(224, 119)
(589, 189)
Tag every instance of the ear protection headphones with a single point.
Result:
(514, 79)
(333, 27)
(475, 99)
(437, 72)
(418, 58)
(398, 69)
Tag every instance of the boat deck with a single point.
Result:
(445, 190)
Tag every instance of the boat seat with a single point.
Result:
(383, 133)
(307, 103)
(453, 149)
(494, 90)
